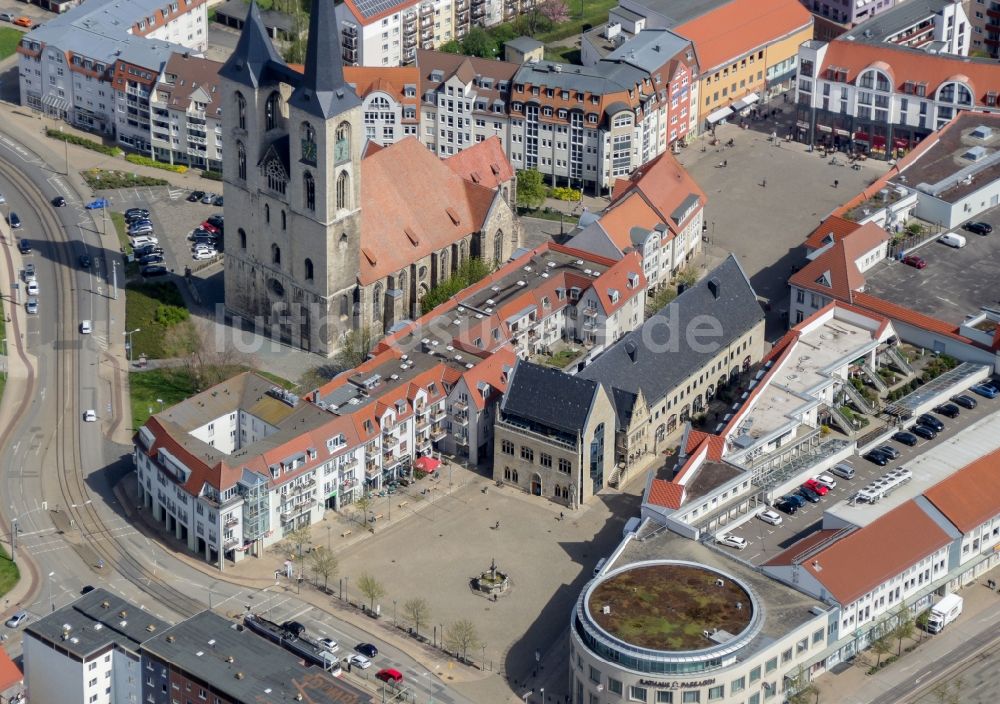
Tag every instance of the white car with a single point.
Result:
(769, 516)
(733, 541)
(85, 327)
(90, 416)
(328, 644)
(33, 289)
(359, 660)
(200, 254)
(827, 481)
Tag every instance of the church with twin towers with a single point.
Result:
(327, 232)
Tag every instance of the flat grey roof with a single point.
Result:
(243, 665)
(597, 80)
(784, 608)
(650, 49)
(678, 11)
(95, 621)
(889, 22)
(524, 44)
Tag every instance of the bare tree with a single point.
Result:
(355, 348)
(905, 626)
(323, 564)
(371, 588)
(418, 611)
(881, 646)
(460, 636)
(208, 361)
(364, 504)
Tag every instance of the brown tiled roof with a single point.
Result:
(664, 184)
(837, 264)
(733, 29)
(189, 73)
(666, 494)
(968, 498)
(483, 163)
(857, 563)
(391, 80)
(796, 552)
(833, 228)
(405, 188)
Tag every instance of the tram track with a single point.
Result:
(95, 532)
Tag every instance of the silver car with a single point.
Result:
(31, 306)
(17, 620)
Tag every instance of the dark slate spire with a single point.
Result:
(322, 91)
(254, 59)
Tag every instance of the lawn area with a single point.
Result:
(595, 12)
(152, 309)
(122, 230)
(9, 39)
(561, 358)
(9, 574)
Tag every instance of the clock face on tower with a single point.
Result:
(309, 150)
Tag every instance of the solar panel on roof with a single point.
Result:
(369, 8)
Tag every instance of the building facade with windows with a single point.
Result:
(883, 99)
(390, 104)
(95, 65)
(186, 113)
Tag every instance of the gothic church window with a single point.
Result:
(241, 161)
(277, 179)
(243, 238)
(342, 144)
(309, 189)
(284, 221)
(241, 111)
(377, 302)
(498, 247)
(275, 254)
(309, 269)
(267, 213)
(272, 111)
(343, 184)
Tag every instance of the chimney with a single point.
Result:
(631, 349)
(714, 285)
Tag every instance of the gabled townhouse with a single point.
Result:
(389, 101)
(186, 113)
(657, 212)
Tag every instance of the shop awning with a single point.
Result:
(824, 128)
(427, 464)
(720, 114)
(746, 101)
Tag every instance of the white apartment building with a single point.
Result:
(373, 35)
(88, 652)
(95, 65)
(186, 113)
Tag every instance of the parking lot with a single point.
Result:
(954, 284)
(765, 541)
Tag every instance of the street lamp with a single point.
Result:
(52, 604)
(15, 528)
(129, 334)
(393, 612)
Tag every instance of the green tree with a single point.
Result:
(686, 277)
(478, 42)
(461, 636)
(881, 646)
(323, 564)
(905, 626)
(355, 348)
(364, 504)
(921, 622)
(661, 299)
(468, 273)
(418, 611)
(451, 47)
(371, 588)
(801, 687)
(531, 190)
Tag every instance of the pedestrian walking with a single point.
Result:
(497, 526)
(725, 163)
(560, 515)
(763, 183)
(836, 183)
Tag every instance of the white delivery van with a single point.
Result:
(952, 239)
(600, 565)
(944, 612)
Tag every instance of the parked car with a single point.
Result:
(808, 494)
(965, 401)
(366, 649)
(889, 451)
(13, 220)
(135, 213)
(31, 306)
(218, 220)
(218, 201)
(85, 261)
(23, 21)
(795, 499)
(195, 196)
(140, 229)
(984, 391)
(293, 628)
(24, 246)
(827, 481)
(209, 227)
(208, 198)
(390, 675)
(58, 202)
(923, 431)
(876, 457)
(143, 240)
(90, 416)
(359, 660)
(992, 383)
(769, 516)
(203, 254)
(328, 644)
(98, 204)
(151, 259)
(952, 239)
(915, 261)
(17, 620)
(843, 470)
(813, 485)
(87, 589)
(908, 439)
(86, 327)
(978, 228)
(29, 271)
(6, 17)
(930, 421)
(33, 288)
(786, 506)
(154, 270)
(948, 410)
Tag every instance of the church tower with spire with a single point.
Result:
(292, 147)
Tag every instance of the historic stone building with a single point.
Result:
(328, 234)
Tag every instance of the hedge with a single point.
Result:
(147, 161)
(82, 142)
(99, 179)
(212, 175)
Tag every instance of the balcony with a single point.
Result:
(350, 55)
(423, 423)
(231, 541)
(372, 470)
(409, 42)
(350, 30)
(462, 440)
(349, 42)
(439, 414)
(438, 432)
(459, 406)
(460, 419)
(590, 311)
(231, 520)
(390, 441)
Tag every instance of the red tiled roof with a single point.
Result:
(391, 80)
(664, 184)
(666, 494)
(794, 553)
(834, 227)
(484, 163)
(837, 264)
(894, 311)
(864, 559)
(736, 28)
(904, 64)
(10, 674)
(963, 497)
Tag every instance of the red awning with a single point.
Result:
(427, 464)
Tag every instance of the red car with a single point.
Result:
(210, 227)
(390, 675)
(914, 261)
(820, 489)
